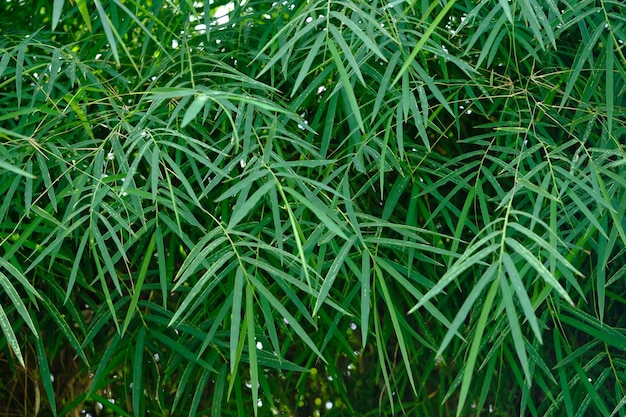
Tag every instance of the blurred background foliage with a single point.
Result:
(312, 208)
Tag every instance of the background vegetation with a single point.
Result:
(312, 208)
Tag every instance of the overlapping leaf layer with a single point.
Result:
(313, 208)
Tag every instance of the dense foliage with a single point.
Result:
(312, 207)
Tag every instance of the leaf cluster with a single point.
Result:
(320, 208)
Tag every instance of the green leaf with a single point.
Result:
(10, 336)
(515, 329)
(332, 273)
(138, 285)
(276, 303)
(489, 275)
(17, 302)
(109, 30)
(138, 364)
(242, 210)
(198, 287)
(540, 268)
(82, 8)
(347, 85)
(522, 296)
(199, 392)
(16, 170)
(583, 54)
(423, 39)
(64, 328)
(235, 324)
(44, 371)
(506, 8)
(366, 290)
(466, 261)
(396, 326)
(57, 8)
(318, 211)
(252, 356)
(4, 63)
(194, 108)
(367, 41)
(470, 362)
(347, 52)
(218, 393)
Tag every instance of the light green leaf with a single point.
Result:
(194, 108)
(57, 8)
(522, 296)
(539, 267)
(84, 12)
(10, 336)
(15, 170)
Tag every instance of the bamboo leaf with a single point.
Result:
(138, 365)
(365, 279)
(453, 328)
(242, 210)
(470, 363)
(10, 336)
(332, 273)
(17, 302)
(326, 220)
(44, 371)
(138, 285)
(84, 12)
(522, 296)
(515, 329)
(15, 170)
(274, 302)
(57, 8)
(581, 57)
(106, 25)
(347, 85)
(235, 324)
(540, 268)
(252, 348)
(194, 108)
(423, 39)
